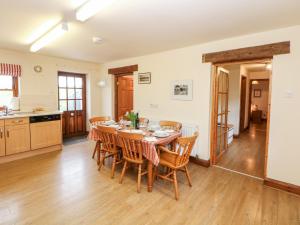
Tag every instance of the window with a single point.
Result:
(70, 92)
(8, 89)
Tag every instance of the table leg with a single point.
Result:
(150, 175)
(98, 152)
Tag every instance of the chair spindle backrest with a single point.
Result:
(131, 146)
(184, 148)
(108, 138)
(99, 119)
(171, 125)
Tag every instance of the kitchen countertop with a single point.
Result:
(28, 114)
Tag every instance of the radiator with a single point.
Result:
(188, 130)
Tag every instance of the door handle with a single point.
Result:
(7, 134)
(1, 133)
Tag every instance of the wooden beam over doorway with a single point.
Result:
(123, 70)
(249, 53)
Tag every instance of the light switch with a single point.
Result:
(288, 94)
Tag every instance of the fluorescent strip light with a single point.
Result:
(91, 8)
(55, 33)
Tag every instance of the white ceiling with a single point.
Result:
(138, 27)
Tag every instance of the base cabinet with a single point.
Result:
(17, 138)
(2, 141)
(45, 134)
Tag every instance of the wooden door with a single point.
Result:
(124, 95)
(222, 88)
(17, 138)
(243, 103)
(2, 140)
(72, 101)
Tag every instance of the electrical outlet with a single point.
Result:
(154, 106)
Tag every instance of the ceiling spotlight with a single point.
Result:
(97, 40)
(268, 66)
(255, 82)
(52, 35)
(91, 8)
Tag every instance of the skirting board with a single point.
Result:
(10, 158)
(282, 186)
(201, 162)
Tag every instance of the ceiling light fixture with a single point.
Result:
(97, 40)
(53, 34)
(91, 8)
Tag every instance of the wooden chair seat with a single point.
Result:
(176, 160)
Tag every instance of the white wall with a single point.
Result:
(185, 63)
(40, 89)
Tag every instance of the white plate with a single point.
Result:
(161, 134)
(169, 131)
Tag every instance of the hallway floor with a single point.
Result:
(246, 153)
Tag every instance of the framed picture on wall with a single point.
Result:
(144, 78)
(257, 93)
(182, 90)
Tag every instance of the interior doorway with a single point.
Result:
(124, 88)
(241, 104)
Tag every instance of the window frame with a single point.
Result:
(15, 86)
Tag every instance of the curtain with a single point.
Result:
(10, 69)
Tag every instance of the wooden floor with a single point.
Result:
(246, 153)
(66, 188)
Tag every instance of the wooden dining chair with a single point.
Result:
(132, 153)
(176, 160)
(109, 147)
(94, 121)
(170, 125)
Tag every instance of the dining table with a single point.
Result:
(149, 147)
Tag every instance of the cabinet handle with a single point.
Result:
(1, 133)
(7, 134)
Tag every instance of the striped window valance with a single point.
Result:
(10, 69)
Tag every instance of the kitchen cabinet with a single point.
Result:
(45, 134)
(17, 137)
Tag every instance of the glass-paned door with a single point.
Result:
(222, 89)
(71, 100)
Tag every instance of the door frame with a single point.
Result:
(82, 75)
(242, 128)
(214, 96)
(116, 105)
(116, 72)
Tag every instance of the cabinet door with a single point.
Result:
(2, 141)
(45, 134)
(17, 138)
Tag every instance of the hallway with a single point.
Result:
(246, 153)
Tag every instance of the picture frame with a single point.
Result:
(144, 78)
(257, 93)
(182, 90)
